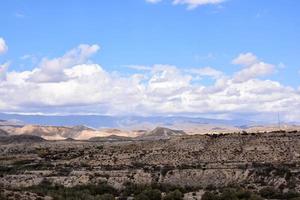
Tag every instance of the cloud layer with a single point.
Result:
(72, 83)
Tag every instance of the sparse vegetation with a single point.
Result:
(167, 169)
(174, 195)
(81, 192)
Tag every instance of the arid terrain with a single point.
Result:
(165, 160)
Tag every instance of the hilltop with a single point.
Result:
(161, 133)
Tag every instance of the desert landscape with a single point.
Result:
(40, 162)
(149, 100)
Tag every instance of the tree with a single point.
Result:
(152, 194)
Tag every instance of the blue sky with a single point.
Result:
(137, 32)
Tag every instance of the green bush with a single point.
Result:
(82, 192)
(152, 194)
(105, 197)
(135, 189)
(209, 196)
(141, 197)
(147, 194)
(174, 195)
(255, 197)
(291, 195)
(230, 193)
(269, 193)
(168, 188)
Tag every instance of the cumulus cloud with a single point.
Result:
(75, 85)
(52, 70)
(191, 4)
(3, 67)
(3, 46)
(253, 67)
(245, 59)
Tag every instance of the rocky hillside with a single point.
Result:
(161, 133)
(20, 139)
(255, 160)
(85, 133)
(3, 133)
(61, 132)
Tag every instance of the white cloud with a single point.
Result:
(153, 1)
(167, 80)
(139, 67)
(195, 3)
(207, 71)
(52, 70)
(253, 67)
(256, 70)
(245, 59)
(191, 4)
(3, 46)
(3, 71)
(160, 89)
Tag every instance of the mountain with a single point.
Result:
(20, 139)
(49, 132)
(3, 133)
(69, 140)
(161, 133)
(78, 126)
(63, 132)
(11, 122)
(104, 121)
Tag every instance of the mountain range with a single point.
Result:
(110, 128)
(105, 121)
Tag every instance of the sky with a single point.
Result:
(224, 59)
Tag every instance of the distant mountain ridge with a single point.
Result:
(47, 132)
(139, 128)
(104, 121)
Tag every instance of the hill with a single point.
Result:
(3, 133)
(161, 133)
(49, 132)
(111, 138)
(21, 139)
